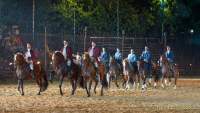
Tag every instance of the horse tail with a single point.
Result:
(44, 84)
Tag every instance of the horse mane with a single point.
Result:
(58, 58)
(87, 57)
(19, 59)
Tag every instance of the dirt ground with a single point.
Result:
(185, 99)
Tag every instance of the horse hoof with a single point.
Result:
(38, 93)
(72, 93)
(88, 96)
(174, 87)
(22, 94)
(162, 86)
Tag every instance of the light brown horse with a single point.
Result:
(61, 68)
(142, 72)
(89, 73)
(168, 70)
(23, 70)
(130, 74)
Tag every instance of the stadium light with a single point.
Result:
(191, 31)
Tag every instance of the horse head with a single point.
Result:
(86, 58)
(19, 59)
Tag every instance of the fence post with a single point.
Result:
(45, 49)
(123, 33)
(85, 31)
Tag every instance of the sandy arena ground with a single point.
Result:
(185, 99)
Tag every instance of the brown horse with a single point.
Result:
(142, 72)
(23, 70)
(114, 72)
(155, 73)
(168, 70)
(89, 73)
(61, 68)
(130, 74)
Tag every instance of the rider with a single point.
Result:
(67, 53)
(30, 57)
(132, 59)
(118, 58)
(146, 57)
(94, 52)
(104, 58)
(170, 57)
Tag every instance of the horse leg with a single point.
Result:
(108, 79)
(163, 79)
(116, 81)
(60, 85)
(127, 83)
(19, 85)
(86, 88)
(123, 84)
(73, 82)
(22, 87)
(101, 90)
(144, 82)
(90, 85)
(175, 80)
(96, 83)
(39, 83)
(138, 81)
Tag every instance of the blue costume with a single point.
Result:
(133, 61)
(104, 57)
(132, 58)
(118, 57)
(146, 57)
(170, 56)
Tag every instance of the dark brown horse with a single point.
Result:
(89, 73)
(23, 70)
(61, 68)
(155, 73)
(114, 72)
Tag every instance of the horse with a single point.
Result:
(23, 70)
(61, 68)
(168, 70)
(113, 72)
(89, 73)
(130, 73)
(155, 73)
(143, 72)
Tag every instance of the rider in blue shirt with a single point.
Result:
(118, 56)
(146, 57)
(132, 57)
(104, 58)
(169, 55)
